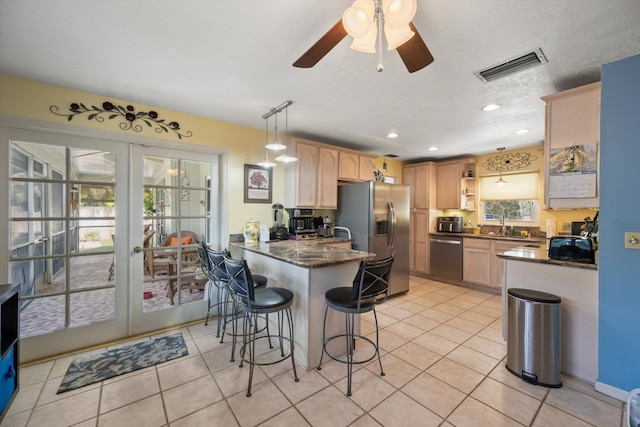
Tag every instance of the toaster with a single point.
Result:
(573, 248)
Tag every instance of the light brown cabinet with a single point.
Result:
(312, 181)
(497, 247)
(572, 117)
(480, 262)
(356, 167)
(448, 193)
(349, 169)
(366, 168)
(476, 261)
(456, 189)
(421, 178)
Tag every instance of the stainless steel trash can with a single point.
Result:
(533, 336)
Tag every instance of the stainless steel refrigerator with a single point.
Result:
(377, 214)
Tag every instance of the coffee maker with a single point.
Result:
(301, 224)
(278, 231)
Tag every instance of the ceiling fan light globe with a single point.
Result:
(356, 22)
(366, 44)
(397, 37)
(398, 13)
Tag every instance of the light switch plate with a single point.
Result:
(632, 239)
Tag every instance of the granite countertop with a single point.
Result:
(312, 253)
(524, 240)
(541, 255)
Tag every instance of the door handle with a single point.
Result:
(137, 249)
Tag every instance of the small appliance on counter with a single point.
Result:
(326, 228)
(301, 224)
(573, 248)
(450, 224)
(278, 231)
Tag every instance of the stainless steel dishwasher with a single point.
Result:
(446, 258)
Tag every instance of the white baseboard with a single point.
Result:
(614, 392)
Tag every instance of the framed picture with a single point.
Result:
(257, 184)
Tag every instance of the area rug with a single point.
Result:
(91, 369)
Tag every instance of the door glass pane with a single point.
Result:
(42, 315)
(54, 218)
(93, 165)
(176, 206)
(92, 306)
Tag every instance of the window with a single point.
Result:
(518, 200)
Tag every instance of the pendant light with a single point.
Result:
(284, 157)
(501, 181)
(266, 162)
(275, 145)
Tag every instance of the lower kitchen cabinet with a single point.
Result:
(497, 247)
(476, 261)
(481, 264)
(419, 250)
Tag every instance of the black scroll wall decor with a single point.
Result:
(509, 162)
(130, 119)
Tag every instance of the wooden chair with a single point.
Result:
(159, 260)
(192, 276)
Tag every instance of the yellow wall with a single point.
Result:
(562, 217)
(31, 100)
(27, 99)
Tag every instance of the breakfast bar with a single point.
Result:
(308, 269)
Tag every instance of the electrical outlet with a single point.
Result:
(632, 240)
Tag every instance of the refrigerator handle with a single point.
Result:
(392, 215)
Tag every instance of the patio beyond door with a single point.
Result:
(174, 193)
(102, 237)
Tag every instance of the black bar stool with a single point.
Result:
(226, 296)
(370, 288)
(258, 301)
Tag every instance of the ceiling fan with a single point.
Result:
(365, 21)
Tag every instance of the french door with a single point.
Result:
(89, 237)
(174, 194)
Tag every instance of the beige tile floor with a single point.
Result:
(443, 356)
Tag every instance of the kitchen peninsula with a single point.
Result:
(308, 268)
(577, 285)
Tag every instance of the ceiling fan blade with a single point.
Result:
(415, 53)
(322, 46)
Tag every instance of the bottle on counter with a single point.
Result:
(512, 232)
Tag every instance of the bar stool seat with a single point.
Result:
(370, 288)
(220, 279)
(255, 302)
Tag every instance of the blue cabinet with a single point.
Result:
(9, 316)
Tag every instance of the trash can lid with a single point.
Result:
(535, 296)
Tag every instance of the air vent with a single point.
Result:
(512, 66)
(391, 156)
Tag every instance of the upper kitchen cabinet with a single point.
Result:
(448, 193)
(367, 167)
(421, 178)
(456, 189)
(356, 167)
(312, 181)
(572, 147)
(456, 184)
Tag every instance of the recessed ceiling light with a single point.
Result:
(433, 148)
(521, 131)
(491, 107)
(393, 134)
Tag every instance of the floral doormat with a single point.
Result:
(91, 369)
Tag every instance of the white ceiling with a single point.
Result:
(230, 60)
